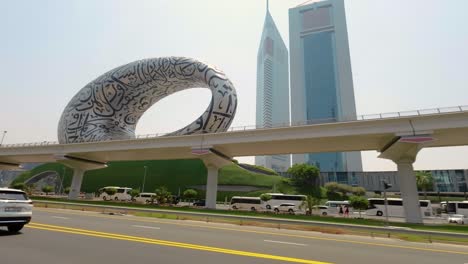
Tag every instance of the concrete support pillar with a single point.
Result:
(211, 186)
(76, 183)
(409, 191)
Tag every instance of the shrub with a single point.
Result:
(47, 189)
(265, 197)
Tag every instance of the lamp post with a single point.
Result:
(386, 185)
(144, 179)
(3, 136)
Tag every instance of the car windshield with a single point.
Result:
(9, 195)
(456, 216)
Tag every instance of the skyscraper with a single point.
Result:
(321, 79)
(272, 88)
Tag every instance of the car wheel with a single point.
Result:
(116, 198)
(276, 210)
(324, 213)
(291, 211)
(104, 198)
(234, 207)
(253, 209)
(379, 213)
(268, 207)
(15, 228)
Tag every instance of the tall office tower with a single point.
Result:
(272, 88)
(321, 79)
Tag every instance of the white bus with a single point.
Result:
(246, 203)
(457, 207)
(395, 207)
(122, 193)
(333, 207)
(280, 198)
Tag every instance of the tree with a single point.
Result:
(110, 191)
(67, 190)
(344, 189)
(333, 191)
(359, 202)
(309, 203)
(304, 175)
(424, 181)
(163, 195)
(47, 189)
(265, 197)
(359, 191)
(190, 194)
(339, 191)
(19, 186)
(133, 193)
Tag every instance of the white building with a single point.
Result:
(272, 88)
(321, 79)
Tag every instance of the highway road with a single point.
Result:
(65, 236)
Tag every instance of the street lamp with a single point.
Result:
(386, 186)
(144, 180)
(4, 133)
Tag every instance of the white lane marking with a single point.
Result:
(282, 242)
(149, 227)
(60, 217)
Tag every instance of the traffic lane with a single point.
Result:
(132, 227)
(269, 231)
(290, 243)
(40, 246)
(326, 248)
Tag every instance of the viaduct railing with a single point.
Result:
(422, 112)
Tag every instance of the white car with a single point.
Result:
(321, 209)
(457, 219)
(285, 208)
(15, 209)
(145, 198)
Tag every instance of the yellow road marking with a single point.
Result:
(277, 234)
(167, 243)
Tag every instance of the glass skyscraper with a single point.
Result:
(321, 79)
(272, 89)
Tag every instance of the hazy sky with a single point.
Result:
(405, 55)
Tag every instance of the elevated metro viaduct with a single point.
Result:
(398, 139)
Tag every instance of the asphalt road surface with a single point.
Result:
(64, 236)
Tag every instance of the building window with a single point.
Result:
(316, 18)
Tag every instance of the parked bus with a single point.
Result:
(395, 207)
(280, 198)
(246, 203)
(457, 207)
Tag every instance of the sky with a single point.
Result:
(405, 55)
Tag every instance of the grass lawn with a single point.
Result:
(174, 174)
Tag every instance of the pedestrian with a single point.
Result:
(341, 210)
(346, 212)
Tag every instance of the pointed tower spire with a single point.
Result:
(268, 3)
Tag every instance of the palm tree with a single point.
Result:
(309, 203)
(424, 181)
